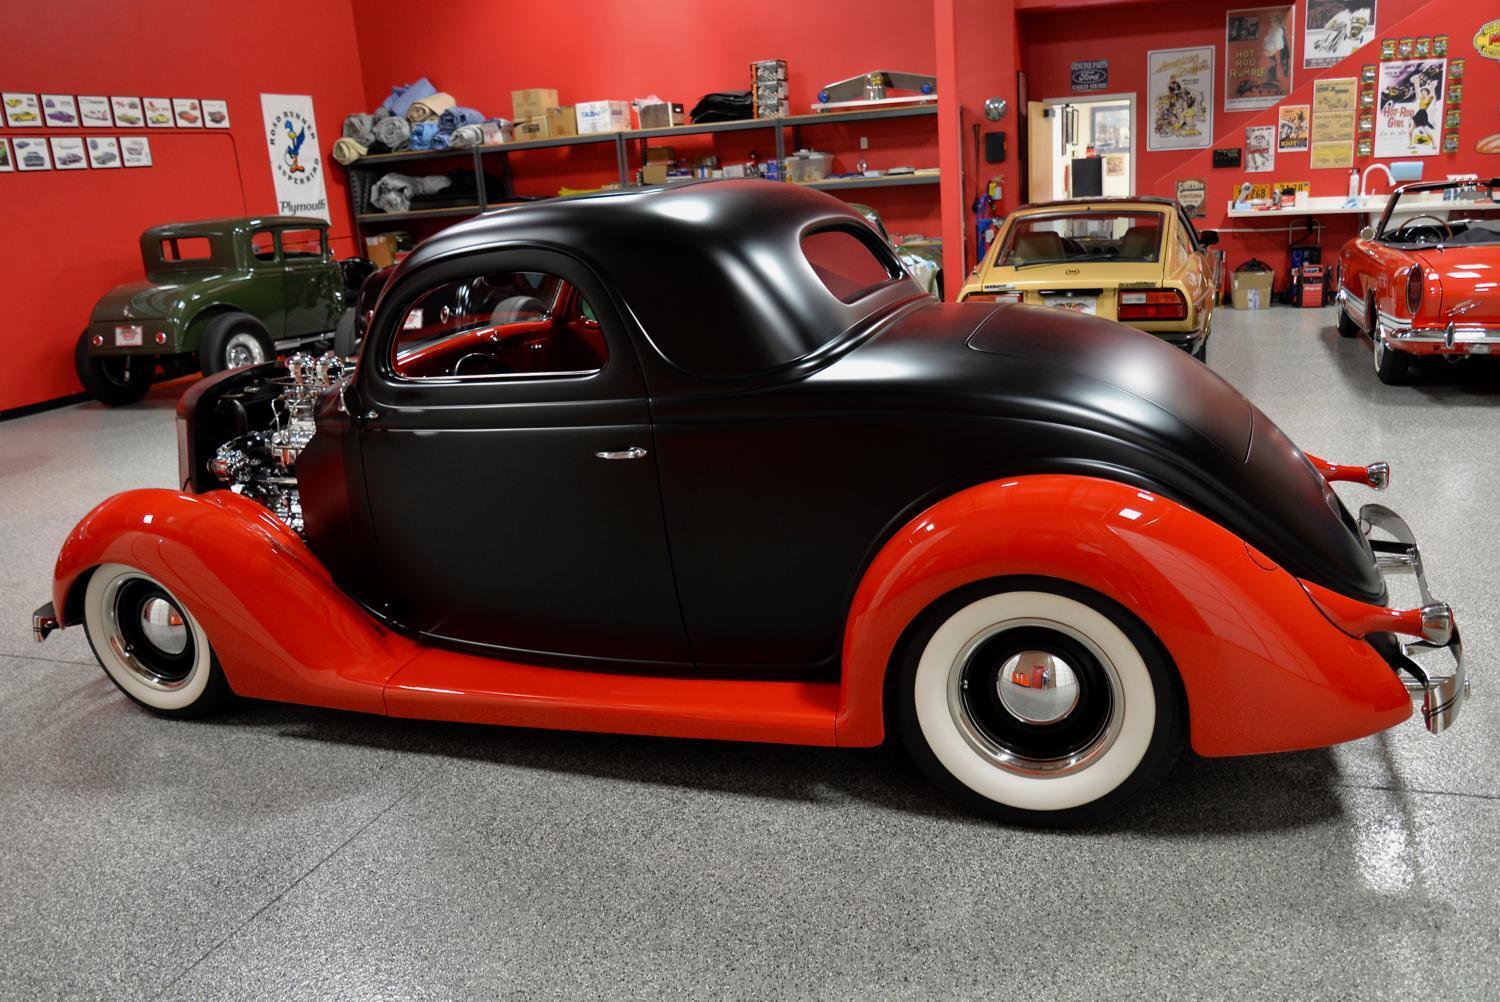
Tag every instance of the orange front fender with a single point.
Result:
(1262, 668)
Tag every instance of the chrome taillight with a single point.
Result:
(1414, 289)
(1152, 304)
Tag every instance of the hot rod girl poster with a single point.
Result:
(1180, 98)
(1257, 57)
(1409, 108)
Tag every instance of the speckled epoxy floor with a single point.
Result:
(291, 853)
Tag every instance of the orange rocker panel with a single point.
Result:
(1268, 662)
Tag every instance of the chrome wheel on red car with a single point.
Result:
(1042, 703)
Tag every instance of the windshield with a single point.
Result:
(1457, 216)
(1114, 235)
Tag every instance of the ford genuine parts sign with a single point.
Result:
(1091, 74)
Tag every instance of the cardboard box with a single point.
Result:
(561, 122)
(662, 115)
(654, 174)
(660, 154)
(533, 102)
(532, 128)
(1251, 290)
(381, 249)
(602, 116)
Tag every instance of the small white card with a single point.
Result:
(104, 151)
(7, 164)
(187, 112)
(22, 111)
(128, 112)
(135, 151)
(59, 111)
(94, 112)
(158, 112)
(67, 153)
(31, 154)
(216, 114)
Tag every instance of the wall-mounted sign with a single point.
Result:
(1090, 74)
(291, 132)
(22, 111)
(1410, 112)
(135, 151)
(1487, 40)
(1191, 192)
(67, 153)
(216, 114)
(1228, 157)
(94, 112)
(1180, 98)
(1257, 57)
(60, 111)
(129, 112)
(1334, 29)
(104, 152)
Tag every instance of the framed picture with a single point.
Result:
(1260, 149)
(1411, 108)
(1439, 45)
(94, 112)
(135, 151)
(1333, 29)
(1387, 48)
(1455, 69)
(1367, 125)
(1450, 143)
(104, 152)
(1292, 124)
(1405, 47)
(1364, 148)
(31, 154)
(1451, 118)
(1367, 74)
(1367, 99)
(1423, 47)
(6, 163)
(1258, 56)
(22, 111)
(158, 112)
(216, 114)
(1180, 98)
(187, 112)
(59, 111)
(1455, 93)
(1110, 128)
(128, 112)
(67, 153)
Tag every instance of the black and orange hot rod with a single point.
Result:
(705, 462)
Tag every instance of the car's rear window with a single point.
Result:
(845, 263)
(186, 249)
(1097, 235)
(301, 243)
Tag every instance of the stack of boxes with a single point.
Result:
(768, 87)
(538, 115)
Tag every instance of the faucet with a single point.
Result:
(1364, 179)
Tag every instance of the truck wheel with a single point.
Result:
(1039, 702)
(233, 341)
(345, 340)
(1390, 365)
(113, 379)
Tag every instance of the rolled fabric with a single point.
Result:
(360, 128)
(467, 136)
(382, 112)
(421, 135)
(430, 107)
(394, 132)
(456, 116)
(347, 150)
(441, 140)
(394, 192)
(402, 96)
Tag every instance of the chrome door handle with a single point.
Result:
(634, 452)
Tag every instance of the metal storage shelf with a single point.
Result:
(360, 169)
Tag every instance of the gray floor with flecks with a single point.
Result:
(283, 852)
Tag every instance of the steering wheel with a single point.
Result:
(1447, 231)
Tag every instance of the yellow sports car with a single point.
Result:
(1135, 260)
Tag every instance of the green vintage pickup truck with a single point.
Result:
(218, 294)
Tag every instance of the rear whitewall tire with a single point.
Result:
(1136, 746)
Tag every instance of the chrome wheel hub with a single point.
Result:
(1037, 687)
(163, 626)
(149, 633)
(242, 350)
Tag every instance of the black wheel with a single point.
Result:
(232, 341)
(1390, 365)
(1347, 326)
(345, 338)
(1201, 352)
(113, 379)
(150, 646)
(1038, 702)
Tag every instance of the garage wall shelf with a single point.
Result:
(364, 171)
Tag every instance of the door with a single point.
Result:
(267, 293)
(308, 281)
(509, 466)
(1041, 153)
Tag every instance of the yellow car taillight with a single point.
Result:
(1152, 304)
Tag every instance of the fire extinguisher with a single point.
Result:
(988, 214)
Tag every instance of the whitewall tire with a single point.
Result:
(1039, 701)
(150, 645)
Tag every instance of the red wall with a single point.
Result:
(676, 49)
(1124, 33)
(69, 236)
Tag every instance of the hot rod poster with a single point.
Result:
(1334, 29)
(1409, 108)
(1180, 98)
(1258, 57)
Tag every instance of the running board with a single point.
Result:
(448, 685)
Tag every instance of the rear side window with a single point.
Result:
(301, 243)
(263, 245)
(846, 265)
(186, 249)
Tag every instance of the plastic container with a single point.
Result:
(808, 165)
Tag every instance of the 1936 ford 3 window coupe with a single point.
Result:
(705, 462)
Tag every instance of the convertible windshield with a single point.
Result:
(1133, 235)
(1463, 216)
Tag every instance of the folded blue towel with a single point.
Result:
(442, 140)
(422, 135)
(456, 117)
(403, 96)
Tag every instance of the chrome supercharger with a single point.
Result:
(262, 464)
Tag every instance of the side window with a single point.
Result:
(846, 264)
(301, 244)
(186, 249)
(519, 323)
(263, 245)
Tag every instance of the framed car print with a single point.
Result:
(128, 112)
(93, 112)
(22, 111)
(135, 151)
(158, 112)
(31, 153)
(104, 151)
(6, 163)
(216, 114)
(59, 111)
(187, 112)
(67, 153)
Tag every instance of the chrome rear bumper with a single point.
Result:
(43, 622)
(1442, 695)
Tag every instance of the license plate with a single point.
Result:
(129, 336)
(1480, 349)
(1073, 304)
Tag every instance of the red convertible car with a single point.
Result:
(1426, 280)
(705, 462)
